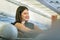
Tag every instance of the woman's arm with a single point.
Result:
(22, 27)
(36, 28)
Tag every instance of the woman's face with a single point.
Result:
(25, 15)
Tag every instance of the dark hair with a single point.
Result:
(19, 11)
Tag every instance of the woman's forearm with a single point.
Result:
(36, 28)
(22, 27)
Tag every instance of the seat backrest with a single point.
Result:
(8, 31)
(52, 34)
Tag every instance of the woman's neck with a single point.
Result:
(23, 22)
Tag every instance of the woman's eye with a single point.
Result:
(25, 13)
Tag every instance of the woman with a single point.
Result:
(22, 24)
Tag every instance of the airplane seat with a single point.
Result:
(8, 31)
(52, 34)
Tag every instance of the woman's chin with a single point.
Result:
(26, 20)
